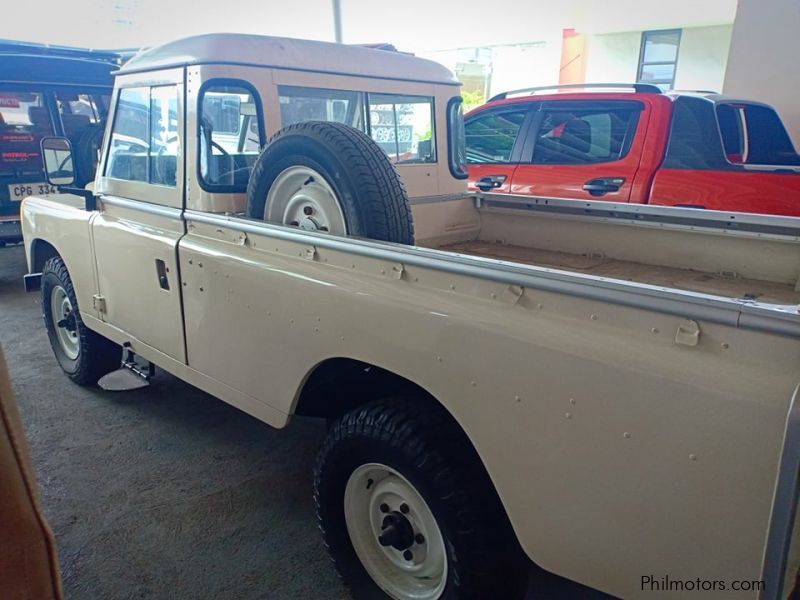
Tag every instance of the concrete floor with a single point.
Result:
(166, 491)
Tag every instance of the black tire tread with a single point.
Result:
(98, 355)
(494, 563)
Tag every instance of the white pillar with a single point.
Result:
(762, 64)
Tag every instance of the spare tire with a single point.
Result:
(321, 176)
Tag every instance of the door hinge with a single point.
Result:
(99, 303)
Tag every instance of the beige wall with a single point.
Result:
(702, 54)
(762, 64)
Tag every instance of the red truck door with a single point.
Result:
(728, 155)
(495, 137)
(583, 149)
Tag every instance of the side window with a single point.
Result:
(586, 136)
(24, 121)
(490, 136)
(164, 143)
(78, 111)
(230, 136)
(300, 104)
(403, 127)
(130, 147)
(754, 135)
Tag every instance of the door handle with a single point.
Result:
(490, 182)
(603, 185)
(161, 272)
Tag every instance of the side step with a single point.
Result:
(130, 376)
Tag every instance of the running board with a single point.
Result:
(130, 376)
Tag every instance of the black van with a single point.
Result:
(44, 91)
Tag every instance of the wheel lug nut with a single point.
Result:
(407, 555)
(308, 210)
(404, 508)
(419, 538)
(384, 507)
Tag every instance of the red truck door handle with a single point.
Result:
(603, 185)
(490, 182)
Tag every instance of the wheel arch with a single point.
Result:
(39, 253)
(338, 385)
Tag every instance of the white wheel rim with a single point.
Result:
(62, 311)
(371, 490)
(300, 196)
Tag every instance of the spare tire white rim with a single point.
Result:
(64, 322)
(394, 533)
(301, 197)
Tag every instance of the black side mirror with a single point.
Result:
(59, 167)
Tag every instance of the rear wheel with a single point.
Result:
(84, 355)
(407, 510)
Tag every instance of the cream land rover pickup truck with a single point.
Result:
(609, 392)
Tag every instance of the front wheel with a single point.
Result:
(407, 511)
(84, 355)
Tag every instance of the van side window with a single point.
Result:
(584, 136)
(144, 137)
(230, 135)
(24, 121)
(491, 135)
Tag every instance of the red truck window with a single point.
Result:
(584, 136)
(491, 135)
(754, 135)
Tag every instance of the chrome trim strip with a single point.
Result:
(729, 222)
(147, 207)
(433, 199)
(784, 507)
(781, 320)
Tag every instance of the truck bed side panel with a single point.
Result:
(617, 451)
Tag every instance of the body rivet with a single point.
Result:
(626, 435)
(568, 415)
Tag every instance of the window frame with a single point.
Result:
(642, 63)
(216, 188)
(457, 170)
(139, 191)
(368, 125)
(565, 105)
(524, 135)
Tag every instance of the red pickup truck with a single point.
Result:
(633, 143)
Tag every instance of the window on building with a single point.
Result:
(144, 138)
(230, 136)
(584, 136)
(491, 135)
(658, 58)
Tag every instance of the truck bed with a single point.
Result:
(729, 285)
(754, 258)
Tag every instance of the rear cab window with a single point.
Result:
(402, 125)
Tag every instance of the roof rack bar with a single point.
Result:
(642, 88)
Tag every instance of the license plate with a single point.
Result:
(18, 191)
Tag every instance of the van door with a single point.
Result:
(140, 222)
(494, 140)
(583, 150)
